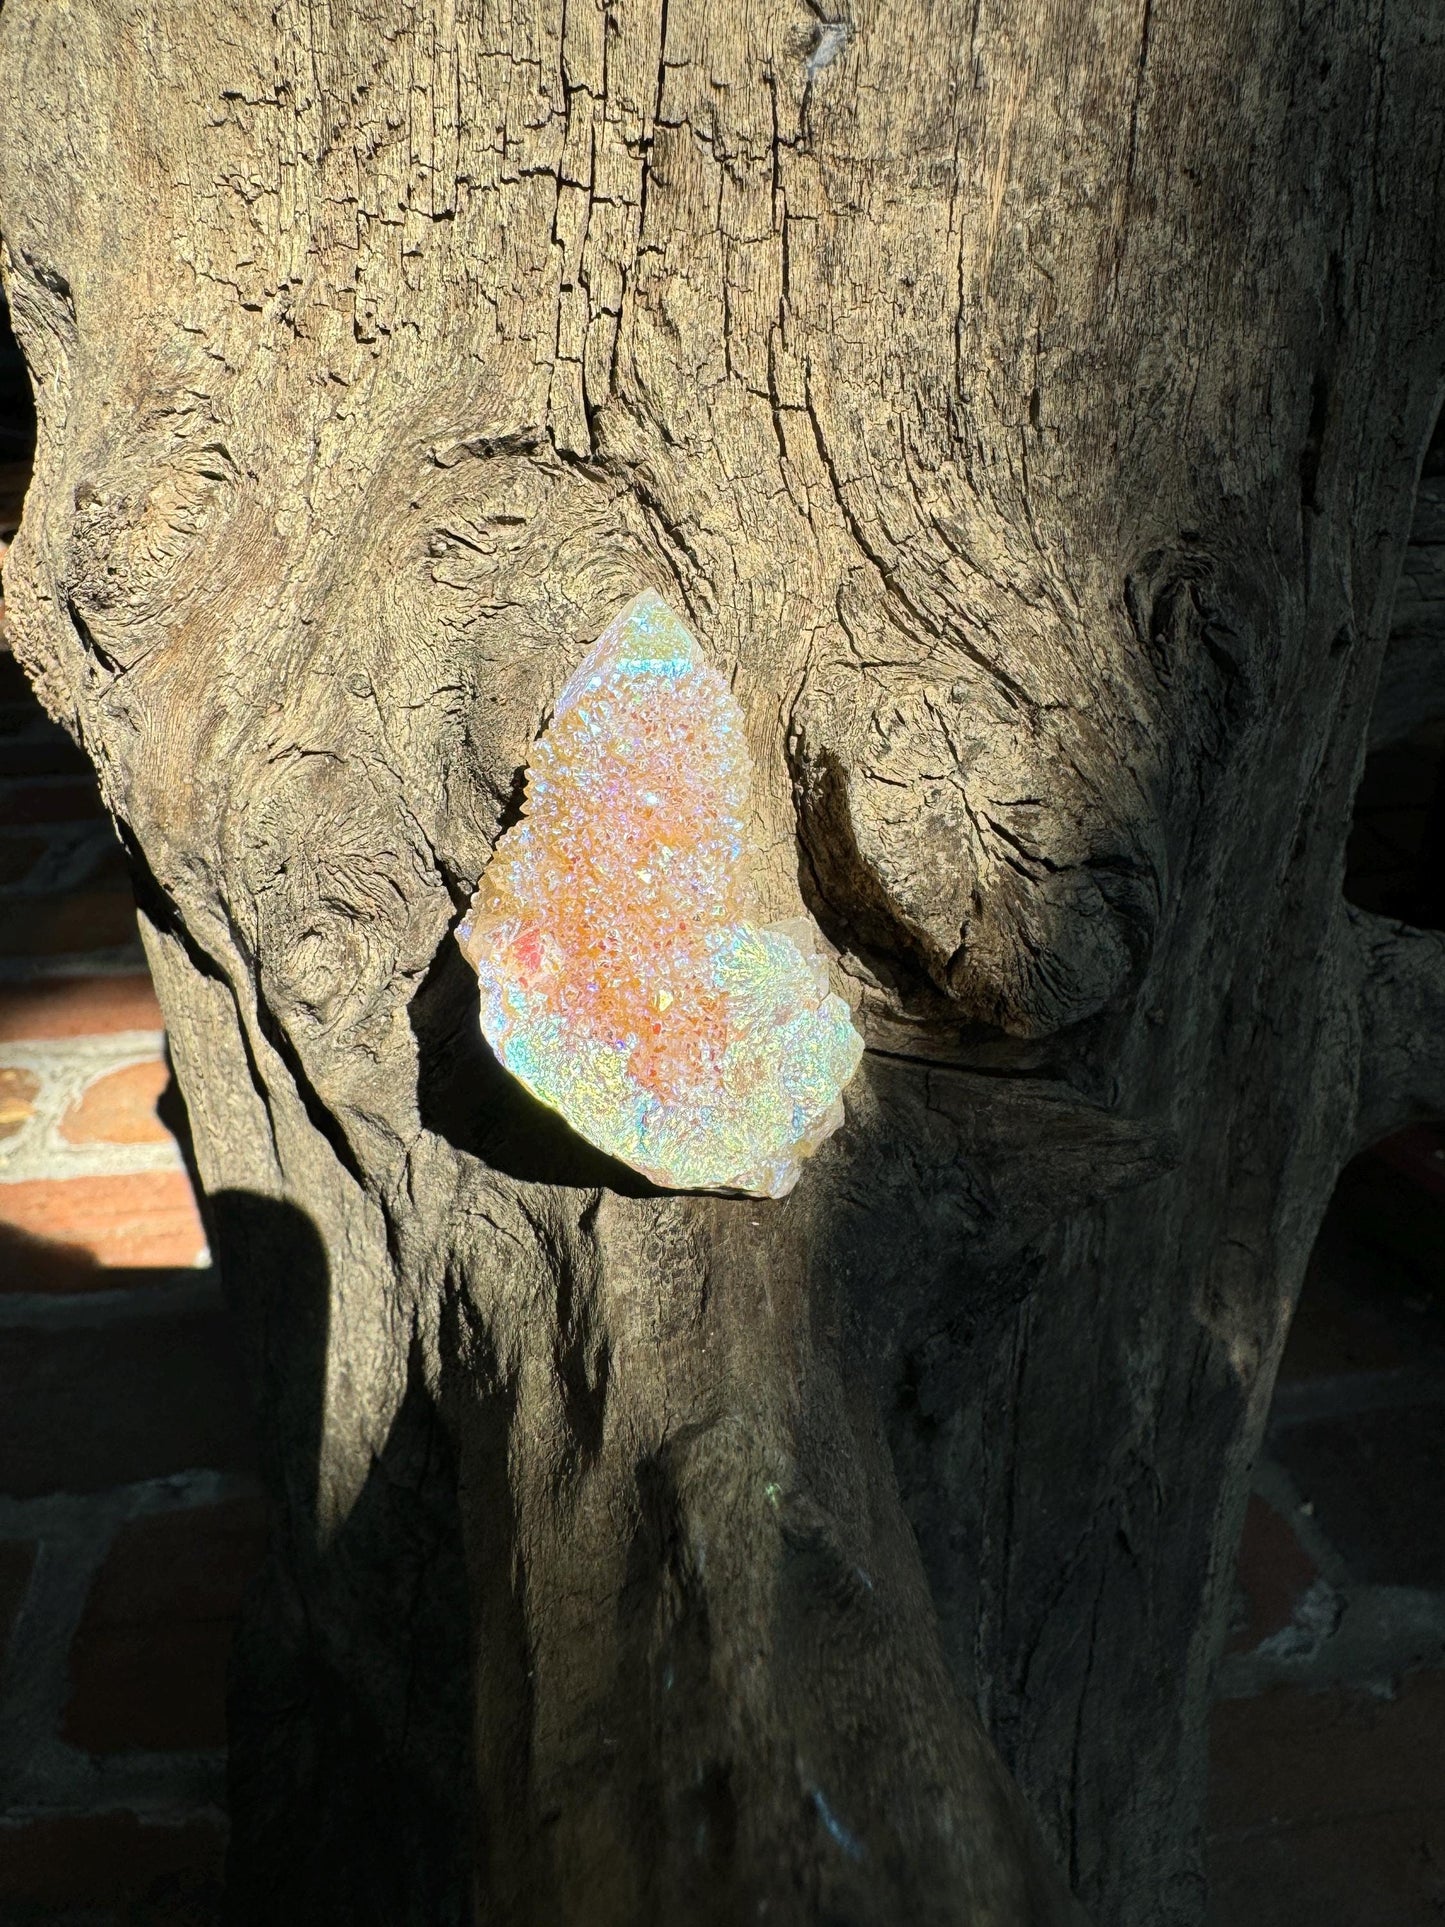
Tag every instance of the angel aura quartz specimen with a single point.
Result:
(621, 977)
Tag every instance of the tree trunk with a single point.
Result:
(1024, 405)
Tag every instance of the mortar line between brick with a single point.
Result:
(116, 960)
(169, 1292)
(1345, 1394)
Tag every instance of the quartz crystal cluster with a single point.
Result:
(622, 979)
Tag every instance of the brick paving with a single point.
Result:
(112, 1866)
(1328, 1740)
(148, 1664)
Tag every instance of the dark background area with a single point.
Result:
(131, 1519)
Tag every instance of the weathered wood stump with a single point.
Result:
(1025, 405)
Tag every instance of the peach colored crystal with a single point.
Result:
(621, 977)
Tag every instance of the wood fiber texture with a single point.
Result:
(1024, 404)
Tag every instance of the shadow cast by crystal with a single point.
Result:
(471, 1100)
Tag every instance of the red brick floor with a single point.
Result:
(148, 1664)
(94, 1869)
(1332, 1813)
(130, 1515)
(1328, 1742)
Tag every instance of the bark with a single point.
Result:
(1026, 405)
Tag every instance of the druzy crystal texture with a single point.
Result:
(622, 977)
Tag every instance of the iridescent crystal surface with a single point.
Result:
(622, 978)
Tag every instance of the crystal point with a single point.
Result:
(622, 977)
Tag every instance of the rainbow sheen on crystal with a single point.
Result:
(621, 977)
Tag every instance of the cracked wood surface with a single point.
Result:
(1025, 403)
